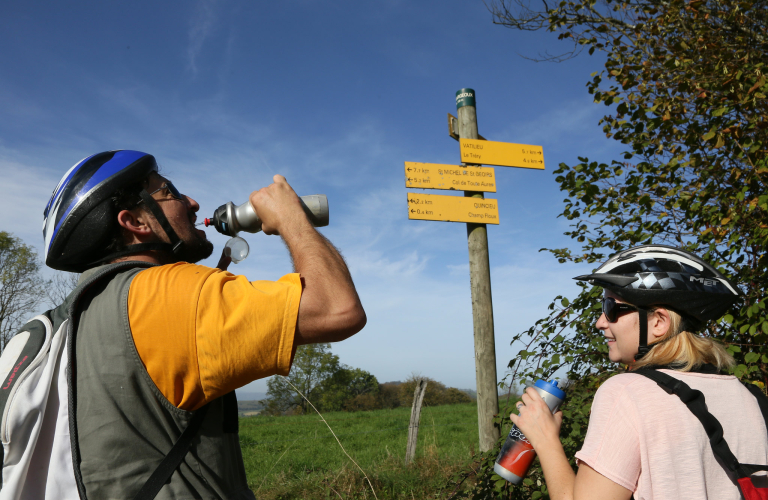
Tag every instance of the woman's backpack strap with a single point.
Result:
(696, 403)
(762, 401)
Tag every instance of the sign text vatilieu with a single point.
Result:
(504, 154)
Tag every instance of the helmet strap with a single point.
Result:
(643, 348)
(173, 247)
(176, 243)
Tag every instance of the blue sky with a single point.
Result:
(335, 96)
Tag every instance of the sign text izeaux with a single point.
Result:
(505, 154)
(452, 208)
(438, 176)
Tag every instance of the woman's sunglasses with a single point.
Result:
(613, 309)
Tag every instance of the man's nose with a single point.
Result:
(192, 203)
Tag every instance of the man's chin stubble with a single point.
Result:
(195, 250)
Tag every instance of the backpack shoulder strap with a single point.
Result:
(762, 400)
(18, 355)
(696, 403)
(174, 457)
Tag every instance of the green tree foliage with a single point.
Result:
(333, 386)
(684, 81)
(349, 389)
(389, 395)
(685, 89)
(436, 394)
(21, 285)
(312, 365)
(328, 384)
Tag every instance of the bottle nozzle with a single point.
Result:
(207, 222)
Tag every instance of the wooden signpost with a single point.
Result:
(477, 211)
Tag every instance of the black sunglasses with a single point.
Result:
(613, 309)
(171, 189)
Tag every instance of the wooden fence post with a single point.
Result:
(413, 427)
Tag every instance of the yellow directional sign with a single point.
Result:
(452, 208)
(505, 154)
(438, 176)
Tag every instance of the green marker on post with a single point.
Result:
(465, 97)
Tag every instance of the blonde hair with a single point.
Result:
(684, 349)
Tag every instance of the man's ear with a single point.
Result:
(659, 322)
(135, 223)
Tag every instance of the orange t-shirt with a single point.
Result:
(203, 332)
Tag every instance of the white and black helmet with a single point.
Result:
(661, 275)
(79, 219)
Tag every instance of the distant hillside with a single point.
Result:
(470, 392)
(250, 396)
(248, 403)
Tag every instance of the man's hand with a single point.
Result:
(278, 207)
(330, 309)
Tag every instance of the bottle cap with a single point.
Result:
(551, 387)
(236, 249)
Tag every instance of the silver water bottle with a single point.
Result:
(230, 219)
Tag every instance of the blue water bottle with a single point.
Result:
(517, 454)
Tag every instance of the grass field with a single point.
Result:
(297, 456)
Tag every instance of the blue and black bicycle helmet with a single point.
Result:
(661, 275)
(80, 217)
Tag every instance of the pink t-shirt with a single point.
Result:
(649, 442)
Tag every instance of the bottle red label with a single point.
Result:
(517, 454)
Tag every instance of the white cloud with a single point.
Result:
(24, 192)
(568, 126)
(375, 264)
(458, 270)
(200, 28)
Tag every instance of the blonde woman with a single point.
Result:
(643, 441)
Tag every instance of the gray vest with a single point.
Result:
(121, 425)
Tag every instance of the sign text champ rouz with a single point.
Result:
(438, 176)
(452, 208)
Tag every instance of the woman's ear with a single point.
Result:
(659, 323)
